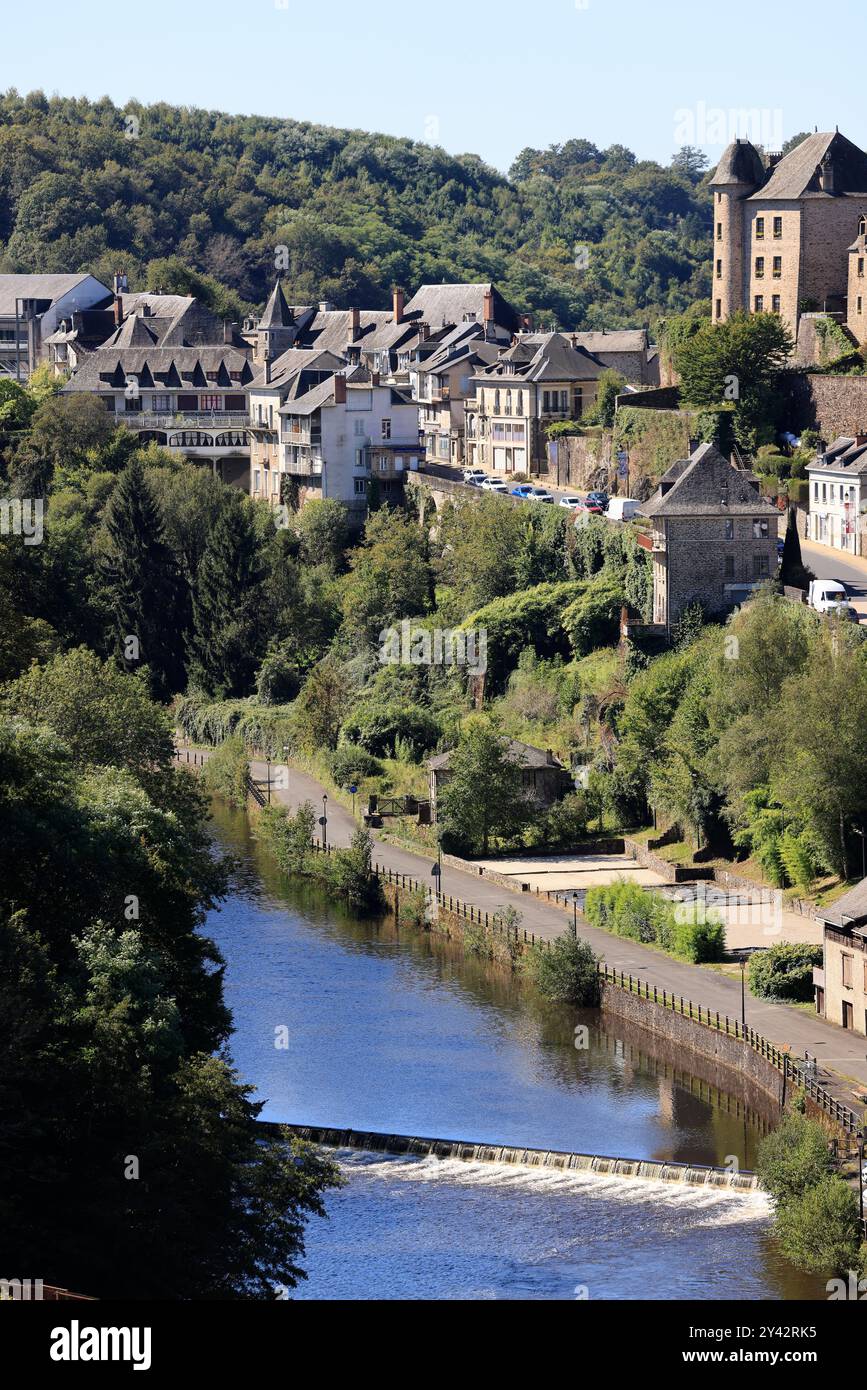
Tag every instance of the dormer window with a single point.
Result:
(862, 226)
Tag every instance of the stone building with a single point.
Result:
(783, 234)
(713, 536)
(840, 983)
(33, 308)
(540, 379)
(544, 778)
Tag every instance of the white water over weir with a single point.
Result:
(655, 1170)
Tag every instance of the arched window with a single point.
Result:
(508, 402)
(519, 409)
(497, 401)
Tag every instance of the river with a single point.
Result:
(401, 1032)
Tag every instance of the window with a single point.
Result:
(719, 270)
(729, 528)
(729, 566)
(519, 406)
(860, 267)
(760, 528)
(760, 229)
(719, 308)
(824, 492)
(383, 463)
(386, 429)
(132, 404)
(760, 567)
(508, 402)
(497, 402)
(360, 487)
(846, 962)
(161, 403)
(858, 305)
(778, 226)
(760, 267)
(211, 403)
(775, 303)
(778, 267)
(257, 479)
(188, 402)
(109, 404)
(719, 231)
(759, 304)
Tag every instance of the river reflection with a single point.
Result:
(403, 1033)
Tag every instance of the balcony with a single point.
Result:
(308, 467)
(193, 420)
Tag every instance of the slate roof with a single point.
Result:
(168, 367)
(452, 304)
(617, 340)
(518, 752)
(852, 906)
(843, 453)
(286, 368)
(48, 287)
(330, 328)
(706, 484)
(277, 313)
(545, 357)
(795, 176)
(740, 163)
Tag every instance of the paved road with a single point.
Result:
(845, 1052)
(851, 570)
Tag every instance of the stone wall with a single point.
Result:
(581, 461)
(833, 405)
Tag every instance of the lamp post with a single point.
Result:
(575, 915)
(859, 831)
(286, 761)
(268, 766)
(743, 994)
(436, 871)
(323, 821)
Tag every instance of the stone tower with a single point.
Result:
(276, 330)
(740, 172)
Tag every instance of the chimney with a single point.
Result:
(325, 306)
(354, 323)
(826, 173)
(489, 307)
(374, 378)
(340, 389)
(118, 309)
(423, 332)
(267, 371)
(861, 438)
(228, 331)
(398, 303)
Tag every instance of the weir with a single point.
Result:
(654, 1170)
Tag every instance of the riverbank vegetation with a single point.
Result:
(816, 1218)
(686, 930)
(345, 873)
(120, 1106)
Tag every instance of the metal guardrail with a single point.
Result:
(799, 1073)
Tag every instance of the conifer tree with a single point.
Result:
(148, 596)
(229, 630)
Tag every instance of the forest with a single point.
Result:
(185, 199)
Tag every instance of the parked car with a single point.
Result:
(600, 498)
(522, 489)
(843, 610)
(494, 485)
(824, 594)
(622, 508)
(538, 494)
(588, 505)
(474, 476)
(572, 501)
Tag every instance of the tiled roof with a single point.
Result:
(740, 163)
(453, 304)
(852, 906)
(277, 313)
(164, 366)
(796, 174)
(518, 752)
(50, 287)
(549, 357)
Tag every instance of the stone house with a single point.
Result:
(713, 537)
(539, 379)
(33, 308)
(838, 494)
(783, 234)
(544, 778)
(441, 381)
(841, 983)
(624, 350)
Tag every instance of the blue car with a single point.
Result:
(522, 490)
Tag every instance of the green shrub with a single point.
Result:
(347, 763)
(566, 971)
(793, 1157)
(820, 1231)
(348, 873)
(412, 908)
(699, 941)
(377, 727)
(784, 971)
(226, 771)
(563, 826)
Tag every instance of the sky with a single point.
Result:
(489, 77)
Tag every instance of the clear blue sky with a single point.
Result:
(488, 77)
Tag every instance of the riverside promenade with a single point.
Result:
(841, 1056)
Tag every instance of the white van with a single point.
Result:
(826, 594)
(622, 508)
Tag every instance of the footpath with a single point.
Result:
(841, 1056)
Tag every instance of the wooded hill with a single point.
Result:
(92, 186)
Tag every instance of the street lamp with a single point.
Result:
(268, 766)
(859, 1140)
(575, 915)
(323, 821)
(743, 994)
(859, 830)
